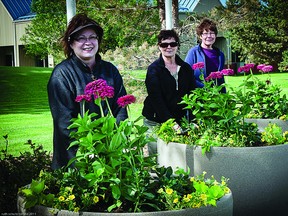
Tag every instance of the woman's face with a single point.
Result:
(208, 38)
(168, 47)
(85, 44)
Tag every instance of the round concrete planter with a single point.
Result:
(258, 175)
(224, 208)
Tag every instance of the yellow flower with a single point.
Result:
(61, 198)
(76, 209)
(226, 190)
(160, 190)
(186, 198)
(203, 197)
(189, 196)
(175, 200)
(71, 197)
(192, 179)
(197, 205)
(96, 199)
(169, 191)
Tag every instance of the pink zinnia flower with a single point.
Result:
(94, 86)
(243, 69)
(214, 75)
(250, 65)
(85, 97)
(227, 72)
(198, 65)
(99, 88)
(107, 92)
(267, 68)
(126, 100)
(259, 67)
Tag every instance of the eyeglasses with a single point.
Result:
(165, 45)
(83, 39)
(208, 33)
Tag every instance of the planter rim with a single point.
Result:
(225, 199)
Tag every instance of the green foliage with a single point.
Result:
(109, 172)
(273, 135)
(263, 98)
(18, 171)
(220, 117)
(178, 192)
(43, 34)
(124, 23)
(283, 66)
(133, 57)
(257, 29)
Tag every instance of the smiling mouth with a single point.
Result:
(88, 49)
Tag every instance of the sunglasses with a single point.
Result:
(165, 45)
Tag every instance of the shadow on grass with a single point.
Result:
(23, 90)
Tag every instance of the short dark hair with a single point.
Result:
(76, 24)
(206, 24)
(166, 34)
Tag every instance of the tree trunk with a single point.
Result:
(161, 7)
(175, 13)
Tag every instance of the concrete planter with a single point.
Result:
(258, 175)
(224, 208)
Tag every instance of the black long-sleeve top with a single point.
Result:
(67, 81)
(162, 101)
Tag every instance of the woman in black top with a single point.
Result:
(168, 79)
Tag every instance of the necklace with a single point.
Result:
(92, 76)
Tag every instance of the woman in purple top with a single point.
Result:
(206, 52)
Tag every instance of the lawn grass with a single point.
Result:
(24, 110)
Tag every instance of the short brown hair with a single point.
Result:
(206, 24)
(76, 24)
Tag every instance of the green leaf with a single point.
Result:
(116, 192)
(37, 186)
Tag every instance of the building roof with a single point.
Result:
(190, 5)
(19, 9)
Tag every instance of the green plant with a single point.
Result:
(18, 171)
(220, 117)
(182, 191)
(273, 135)
(109, 172)
(262, 97)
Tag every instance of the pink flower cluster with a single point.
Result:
(227, 72)
(261, 67)
(98, 89)
(214, 75)
(265, 68)
(220, 74)
(126, 100)
(198, 65)
(84, 97)
(246, 68)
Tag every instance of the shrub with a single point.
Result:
(18, 171)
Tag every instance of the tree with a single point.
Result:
(258, 29)
(124, 22)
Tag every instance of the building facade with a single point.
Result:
(15, 16)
